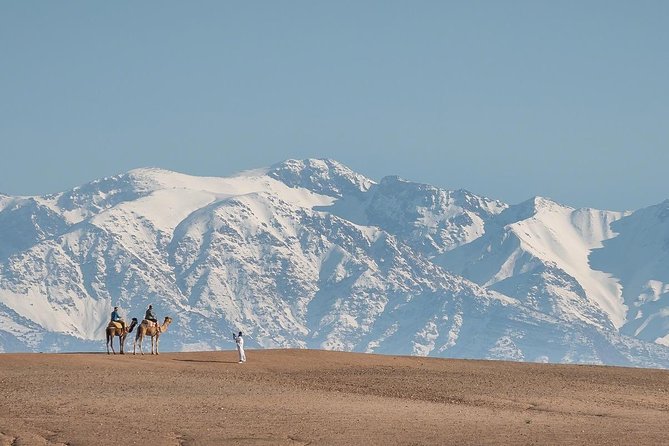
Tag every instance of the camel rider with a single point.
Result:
(150, 315)
(116, 317)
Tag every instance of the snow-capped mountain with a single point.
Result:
(311, 254)
(638, 258)
(538, 251)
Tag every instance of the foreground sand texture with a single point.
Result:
(298, 397)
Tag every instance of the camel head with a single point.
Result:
(168, 321)
(132, 324)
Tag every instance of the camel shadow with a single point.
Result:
(201, 360)
(78, 353)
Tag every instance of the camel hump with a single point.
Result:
(114, 324)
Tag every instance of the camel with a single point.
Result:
(114, 329)
(147, 328)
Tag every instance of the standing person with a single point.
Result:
(150, 315)
(116, 317)
(240, 346)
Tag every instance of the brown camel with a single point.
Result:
(148, 328)
(114, 329)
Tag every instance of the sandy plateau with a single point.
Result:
(299, 397)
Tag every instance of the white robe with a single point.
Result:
(240, 348)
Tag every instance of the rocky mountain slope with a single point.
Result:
(311, 254)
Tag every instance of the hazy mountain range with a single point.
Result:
(311, 254)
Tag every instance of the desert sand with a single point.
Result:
(299, 397)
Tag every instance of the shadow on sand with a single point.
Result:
(201, 360)
(81, 353)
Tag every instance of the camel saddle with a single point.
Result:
(115, 324)
(149, 323)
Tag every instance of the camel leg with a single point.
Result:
(141, 348)
(157, 339)
(107, 344)
(111, 343)
(134, 343)
(121, 341)
(153, 340)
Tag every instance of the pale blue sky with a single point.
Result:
(509, 99)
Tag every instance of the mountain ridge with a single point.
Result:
(308, 253)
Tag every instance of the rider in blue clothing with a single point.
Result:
(116, 317)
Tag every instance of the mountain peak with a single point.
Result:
(149, 171)
(323, 176)
(539, 204)
(152, 178)
(396, 179)
(530, 208)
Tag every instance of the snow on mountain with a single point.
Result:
(638, 257)
(311, 254)
(5, 200)
(538, 251)
(327, 177)
(430, 219)
(24, 221)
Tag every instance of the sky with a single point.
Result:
(568, 99)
